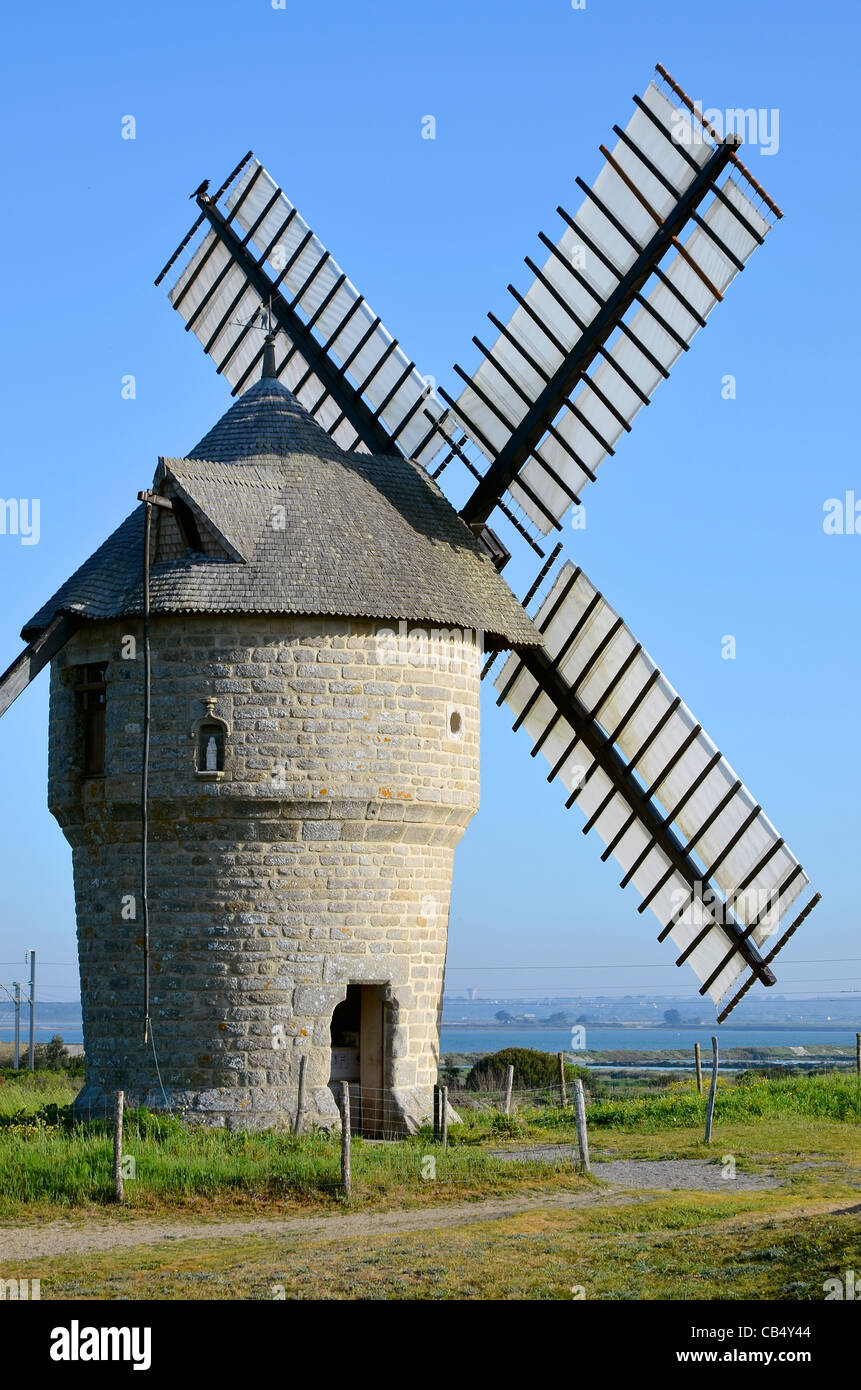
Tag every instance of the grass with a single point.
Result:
(688, 1247)
(778, 1243)
(25, 1093)
(679, 1106)
(835, 1097)
(50, 1164)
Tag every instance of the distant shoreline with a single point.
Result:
(492, 1026)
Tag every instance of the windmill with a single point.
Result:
(614, 298)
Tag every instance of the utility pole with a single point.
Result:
(17, 989)
(31, 956)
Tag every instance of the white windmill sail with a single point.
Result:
(214, 294)
(597, 428)
(745, 876)
(655, 162)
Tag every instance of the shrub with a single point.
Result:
(52, 1055)
(531, 1068)
(508, 1126)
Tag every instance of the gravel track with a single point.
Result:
(624, 1176)
(673, 1174)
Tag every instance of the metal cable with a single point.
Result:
(145, 763)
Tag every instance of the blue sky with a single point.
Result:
(707, 522)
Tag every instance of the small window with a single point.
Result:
(92, 695)
(210, 746)
(455, 722)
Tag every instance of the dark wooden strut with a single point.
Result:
(370, 430)
(37, 654)
(526, 437)
(215, 197)
(541, 667)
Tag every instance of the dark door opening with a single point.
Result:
(358, 1056)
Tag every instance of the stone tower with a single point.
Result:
(316, 633)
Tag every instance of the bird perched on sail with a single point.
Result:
(200, 191)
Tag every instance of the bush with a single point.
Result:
(54, 1056)
(51, 1055)
(531, 1068)
(753, 1075)
(508, 1127)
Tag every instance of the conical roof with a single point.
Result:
(266, 420)
(282, 520)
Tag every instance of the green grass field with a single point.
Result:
(679, 1249)
(49, 1163)
(779, 1243)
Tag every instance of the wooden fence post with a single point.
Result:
(563, 1090)
(300, 1102)
(582, 1135)
(118, 1146)
(346, 1175)
(509, 1082)
(858, 1053)
(710, 1112)
(443, 1109)
(699, 1062)
(436, 1114)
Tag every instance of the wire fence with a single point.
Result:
(364, 1142)
(380, 1113)
(393, 1145)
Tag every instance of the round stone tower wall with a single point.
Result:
(309, 782)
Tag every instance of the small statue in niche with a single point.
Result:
(211, 735)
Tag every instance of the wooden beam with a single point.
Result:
(528, 434)
(541, 667)
(37, 654)
(350, 401)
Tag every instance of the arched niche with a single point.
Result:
(210, 735)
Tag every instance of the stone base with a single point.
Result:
(242, 1108)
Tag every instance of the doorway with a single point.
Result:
(358, 1036)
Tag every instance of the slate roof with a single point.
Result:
(363, 535)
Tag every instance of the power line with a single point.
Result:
(652, 965)
(547, 991)
(56, 986)
(44, 962)
(615, 965)
(816, 980)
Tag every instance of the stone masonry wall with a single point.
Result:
(320, 856)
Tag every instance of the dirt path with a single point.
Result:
(666, 1174)
(63, 1237)
(626, 1177)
